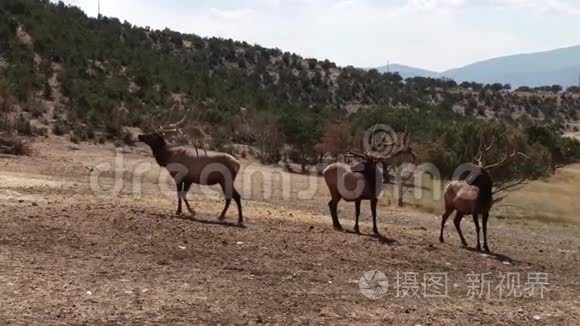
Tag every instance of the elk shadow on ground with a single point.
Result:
(378, 237)
(497, 256)
(196, 220)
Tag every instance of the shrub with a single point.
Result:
(23, 126)
(15, 146)
(128, 137)
(22, 147)
(74, 138)
(60, 128)
(40, 131)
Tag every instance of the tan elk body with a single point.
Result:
(350, 181)
(474, 195)
(362, 181)
(187, 167)
(462, 196)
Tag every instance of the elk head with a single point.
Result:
(388, 150)
(480, 176)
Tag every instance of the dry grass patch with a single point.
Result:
(554, 199)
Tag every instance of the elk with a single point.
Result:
(187, 167)
(362, 181)
(473, 194)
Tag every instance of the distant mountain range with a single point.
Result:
(408, 71)
(561, 66)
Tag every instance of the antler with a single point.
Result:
(484, 148)
(511, 153)
(171, 127)
(359, 155)
(400, 146)
(382, 143)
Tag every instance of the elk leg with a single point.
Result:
(225, 210)
(238, 200)
(179, 185)
(333, 205)
(186, 187)
(357, 213)
(443, 221)
(457, 222)
(228, 195)
(476, 222)
(374, 212)
(484, 222)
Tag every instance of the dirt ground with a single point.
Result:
(70, 254)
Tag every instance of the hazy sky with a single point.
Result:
(431, 34)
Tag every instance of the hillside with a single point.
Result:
(555, 67)
(118, 75)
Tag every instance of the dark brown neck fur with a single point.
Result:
(161, 151)
(370, 173)
(482, 180)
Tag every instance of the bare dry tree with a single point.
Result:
(403, 175)
(269, 138)
(336, 139)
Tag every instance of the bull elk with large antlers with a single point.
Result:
(363, 181)
(186, 167)
(474, 194)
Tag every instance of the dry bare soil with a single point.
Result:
(70, 254)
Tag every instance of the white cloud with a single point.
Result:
(560, 7)
(434, 5)
(233, 14)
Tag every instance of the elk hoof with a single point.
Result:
(478, 248)
(356, 230)
(178, 213)
(441, 240)
(338, 228)
(221, 217)
(486, 248)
